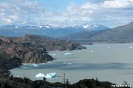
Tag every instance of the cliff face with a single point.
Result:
(7, 63)
(27, 54)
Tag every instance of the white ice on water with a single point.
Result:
(54, 54)
(65, 63)
(108, 47)
(24, 67)
(68, 54)
(35, 65)
(49, 75)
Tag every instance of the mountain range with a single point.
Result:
(47, 30)
(89, 33)
(118, 34)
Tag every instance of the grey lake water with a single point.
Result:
(107, 62)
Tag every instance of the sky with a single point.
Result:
(109, 13)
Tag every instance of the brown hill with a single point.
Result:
(117, 34)
(26, 53)
(40, 42)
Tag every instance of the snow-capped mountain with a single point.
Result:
(93, 27)
(26, 27)
(48, 30)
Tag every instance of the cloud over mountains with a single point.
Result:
(107, 12)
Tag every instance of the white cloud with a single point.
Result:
(19, 10)
(106, 12)
(119, 10)
(7, 20)
(118, 4)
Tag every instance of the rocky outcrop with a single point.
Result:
(48, 43)
(4, 39)
(7, 63)
(27, 54)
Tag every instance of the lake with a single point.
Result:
(107, 62)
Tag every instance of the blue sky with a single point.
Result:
(110, 13)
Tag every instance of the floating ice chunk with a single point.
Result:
(49, 61)
(69, 63)
(40, 75)
(68, 54)
(130, 47)
(108, 47)
(24, 64)
(24, 67)
(49, 75)
(65, 63)
(17, 76)
(35, 65)
(54, 54)
(91, 51)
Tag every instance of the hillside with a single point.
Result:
(46, 42)
(27, 54)
(117, 34)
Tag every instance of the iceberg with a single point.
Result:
(49, 75)
(69, 63)
(35, 65)
(65, 63)
(68, 54)
(92, 51)
(24, 67)
(54, 54)
(40, 75)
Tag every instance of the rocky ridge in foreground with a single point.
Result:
(16, 82)
(27, 54)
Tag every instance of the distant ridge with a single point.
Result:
(47, 30)
(118, 34)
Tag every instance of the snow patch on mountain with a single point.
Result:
(85, 26)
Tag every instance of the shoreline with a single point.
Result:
(60, 54)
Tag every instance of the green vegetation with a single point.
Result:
(15, 82)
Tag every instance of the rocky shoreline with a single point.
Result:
(13, 54)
